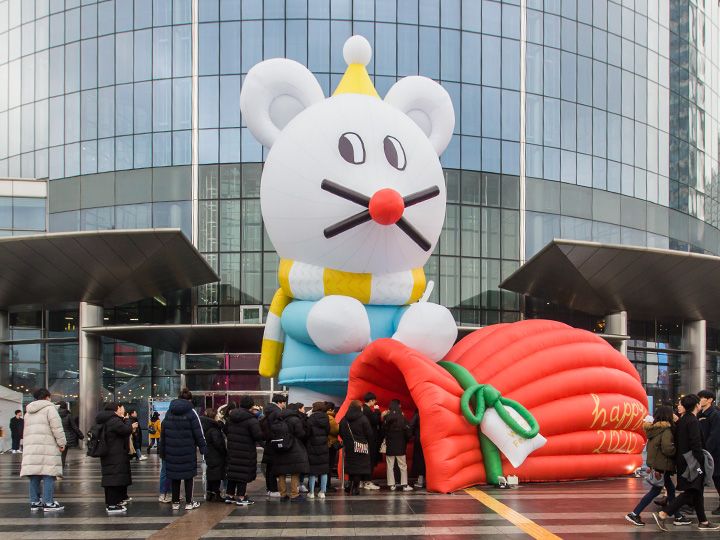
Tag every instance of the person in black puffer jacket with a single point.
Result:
(293, 461)
(397, 433)
(243, 435)
(71, 429)
(115, 464)
(215, 457)
(180, 435)
(317, 448)
(356, 428)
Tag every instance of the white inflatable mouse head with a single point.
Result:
(351, 182)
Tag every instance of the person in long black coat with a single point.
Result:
(372, 413)
(181, 435)
(115, 464)
(71, 429)
(688, 439)
(17, 425)
(215, 457)
(397, 433)
(243, 436)
(293, 461)
(709, 418)
(356, 428)
(318, 426)
(272, 411)
(418, 463)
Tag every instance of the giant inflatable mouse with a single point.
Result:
(353, 198)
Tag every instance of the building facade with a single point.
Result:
(580, 119)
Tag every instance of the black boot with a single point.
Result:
(355, 488)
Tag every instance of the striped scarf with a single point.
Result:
(308, 282)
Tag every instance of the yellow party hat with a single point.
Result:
(357, 53)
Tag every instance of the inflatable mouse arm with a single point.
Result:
(353, 198)
(535, 398)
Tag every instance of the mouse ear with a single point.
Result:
(428, 105)
(274, 92)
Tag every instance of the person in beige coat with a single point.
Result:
(44, 442)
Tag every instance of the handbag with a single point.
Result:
(654, 477)
(358, 447)
(151, 429)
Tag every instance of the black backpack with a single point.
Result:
(96, 441)
(281, 440)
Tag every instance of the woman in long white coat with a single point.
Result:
(44, 442)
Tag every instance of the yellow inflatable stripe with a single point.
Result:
(348, 284)
(356, 81)
(419, 284)
(284, 277)
(270, 354)
(279, 302)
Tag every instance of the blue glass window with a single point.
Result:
(470, 109)
(491, 112)
(318, 46)
(162, 52)
(230, 47)
(143, 55)
(510, 116)
(209, 104)
(252, 9)
(143, 151)
(124, 57)
(162, 105)
(72, 25)
(568, 136)
(88, 157)
(407, 11)
(28, 213)
(628, 94)
(429, 51)
(551, 72)
(106, 112)
(614, 137)
(88, 115)
(450, 56)
(340, 31)
(385, 41)
(95, 219)
(491, 58)
(491, 18)
(614, 86)
(534, 69)
(143, 107)
(408, 52)
(251, 44)
(297, 44)
(584, 80)
(133, 216)
(584, 129)
(599, 173)
(209, 10)
(123, 15)
(568, 86)
(72, 117)
(209, 51)
(534, 161)
(181, 147)
(182, 52)
(569, 35)
(182, 103)
(124, 152)
(600, 45)
(182, 11)
(208, 146)
(511, 64)
(551, 30)
(106, 60)
(599, 84)
(229, 102)
(106, 18)
(551, 122)
(534, 119)
(173, 215)
(124, 110)
(568, 167)
(72, 67)
(430, 12)
(162, 149)
(274, 39)
(472, 19)
(230, 145)
(162, 12)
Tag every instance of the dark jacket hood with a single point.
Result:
(240, 415)
(207, 423)
(63, 413)
(353, 414)
(180, 406)
(653, 430)
(290, 412)
(103, 416)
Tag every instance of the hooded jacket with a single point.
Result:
(355, 427)
(181, 434)
(688, 439)
(243, 436)
(660, 446)
(115, 465)
(216, 451)
(397, 433)
(294, 460)
(710, 428)
(72, 431)
(317, 448)
(43, 436)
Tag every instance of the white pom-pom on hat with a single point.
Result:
(357, 50)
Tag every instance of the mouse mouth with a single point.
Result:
(365, 216)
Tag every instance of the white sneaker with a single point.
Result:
(303, 489)
(407, 488)
(273, 494)
(310, 495)
(321, 495)
(176, 506)
(192, 505)
(142, 458)
(371, 485)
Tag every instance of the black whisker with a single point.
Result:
(347, 224)
(345, 193)
(421, 196)
(414, 234)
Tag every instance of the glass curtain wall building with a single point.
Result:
(581, 119)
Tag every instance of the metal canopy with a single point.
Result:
(605, 278)
(189, 338)
(108, 268)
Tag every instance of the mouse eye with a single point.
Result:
(394, 153)
(351, 148)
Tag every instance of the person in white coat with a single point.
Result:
(44, 439)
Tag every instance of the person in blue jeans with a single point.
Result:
(165, 485)
(661, 459)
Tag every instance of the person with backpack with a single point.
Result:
(357, 434)
(72, 432)
(272, 411)
(243, 436)
(110, 441)
(397, 433)
(44, 441)
(215, 457)
(661, 461)
(691, 479)
(317, 449)
(287, 439)
(153, 431)
(180, 438)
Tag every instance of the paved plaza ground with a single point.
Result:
(568, 510)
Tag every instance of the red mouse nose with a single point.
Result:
(386, 206)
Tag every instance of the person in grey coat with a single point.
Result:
(44, 442)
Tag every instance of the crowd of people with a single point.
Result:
(300, 449)
(683, 441)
